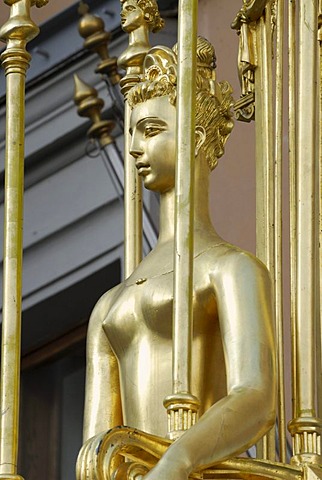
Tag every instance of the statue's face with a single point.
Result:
(132, 16)
(153, 143)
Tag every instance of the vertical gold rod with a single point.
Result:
(306, 425)
(16, 32)
(183, 251)
(278, 226)
(265, 171)
(132, 205)
(264, 151)
(319, 372)
(306, 214)
(292, 182)
(131, 60)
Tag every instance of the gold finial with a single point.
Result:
(16, 33)
(83, 8)
(90, 105)
(92, 29)
(38, 3)
(19, 15)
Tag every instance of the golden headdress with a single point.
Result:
(213, 99)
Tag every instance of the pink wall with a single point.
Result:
(233, 181)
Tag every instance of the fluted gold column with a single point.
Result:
(319, 372)
(16, 32)
(132, 204)
(278, 208)
(292, 178)
(306, 427)
(132, 62)
(265, 185)
(182, 404)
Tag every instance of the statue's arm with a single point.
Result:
(102, 391)
(243, 290)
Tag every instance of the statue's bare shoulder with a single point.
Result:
(226, 262)
(103, 305)
(242, 286)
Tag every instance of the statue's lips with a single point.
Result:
(143, 168)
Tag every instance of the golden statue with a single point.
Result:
(129, 353)
(130, 339)
(138, 18)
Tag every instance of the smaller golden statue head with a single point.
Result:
(136, 13)
(213, 100)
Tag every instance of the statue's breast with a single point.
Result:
(139, 329)
(141, 309)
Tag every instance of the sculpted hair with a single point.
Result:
(151, 14)
(213, 100)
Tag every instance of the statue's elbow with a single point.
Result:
(269, 420)
(268, 409)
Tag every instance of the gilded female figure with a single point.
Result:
(130, 330)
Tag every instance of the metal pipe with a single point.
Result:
(306, 229)
(112, 159)
(306, 427)
(278, 206)
(183, 251)
(265, 172)
(132, 61)
(181, 398)
(319, 335)
(132, 205)
(15, 61)
(292, 182)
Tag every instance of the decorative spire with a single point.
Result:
(90, 105)
(38, 3)
(92, 29)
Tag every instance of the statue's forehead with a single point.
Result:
(126, 3)
(158, 107)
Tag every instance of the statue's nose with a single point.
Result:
(135, 148)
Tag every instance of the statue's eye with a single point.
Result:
(130, 8)
(152, 130)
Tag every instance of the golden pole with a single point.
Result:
(306, 427)
(131, 60)
(265, 172)
(319, 372)
(292, 182)
(181, 406)
(132, 204)
(91, 28)
(278, 226)
(16, 32)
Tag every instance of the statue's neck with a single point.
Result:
(140, 36)
(132, 58)
(201, 210)
(166, 223)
